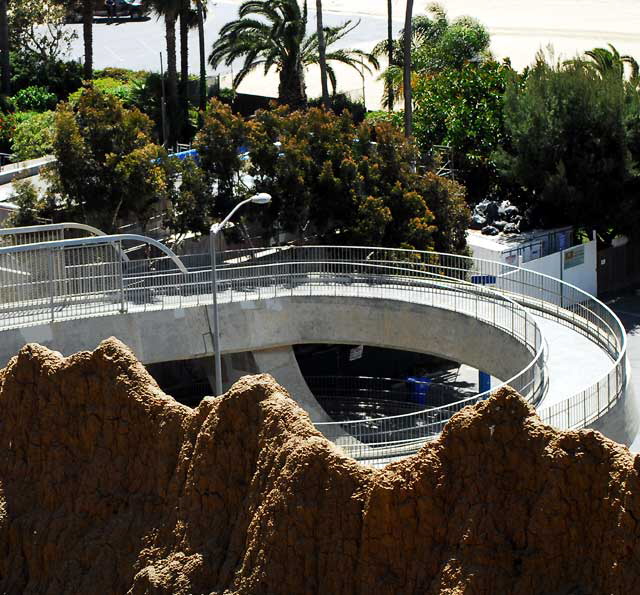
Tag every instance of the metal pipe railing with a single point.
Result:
(82, 280)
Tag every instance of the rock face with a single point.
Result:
(109, 486)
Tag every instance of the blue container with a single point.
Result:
(420, 388)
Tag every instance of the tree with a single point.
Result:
(353, 58)
(189, 19)
(170, 10)
(190, 203)
(88, 7)
(463, 109)
(202, 95)
(267, 34)
(107, 168)
(406, 79)
(217, 142)
(322, 54)
(272, 35)
(348, 184)
(436, 44)
(567, 148)
(608, 61)
(388, 85)
(5, 66)
(37, 27)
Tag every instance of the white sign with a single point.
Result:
(356, 353)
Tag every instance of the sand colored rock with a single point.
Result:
(109, 486)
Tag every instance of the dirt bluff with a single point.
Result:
(109, 486)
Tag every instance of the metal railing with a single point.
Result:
(49, 232)
(347, 398)
(75, 281)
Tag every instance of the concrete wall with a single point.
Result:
(558, 265)
(266, 324)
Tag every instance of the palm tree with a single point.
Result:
(188, 20)
(390, 96)
(436, 43)
(268, 33)
(322, 54)
(170, 9)
(349, 57)
(5, 66)
(408, 105)
(88, 7)
(609, 61)
(278, 41)
(200, 7)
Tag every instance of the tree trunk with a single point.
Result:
(291, 90)
(322, 50)
(184, 62)
(172, 78)
(5, 66)
(87, 32)
(408, 99)
(202, 103)
(390, 44)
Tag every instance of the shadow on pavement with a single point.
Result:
(627, 306)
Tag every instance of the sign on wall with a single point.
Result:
(573, 257)
(356, 353)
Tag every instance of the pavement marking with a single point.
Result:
(145, 45)
(116, 56)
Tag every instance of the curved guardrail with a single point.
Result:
(497, 293)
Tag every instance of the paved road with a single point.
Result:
(519, 28)
(627, 307)
(137, 45)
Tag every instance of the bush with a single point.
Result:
(33, 136)
(341, 102)
(59, 77)
(7, 126)
(121, 74)
(109, 86)
(34, 99)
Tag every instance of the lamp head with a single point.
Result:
(261, 199)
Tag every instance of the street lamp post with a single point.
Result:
(260, 199)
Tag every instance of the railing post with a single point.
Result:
(51, 285)
(121, 277)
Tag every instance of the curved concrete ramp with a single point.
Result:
(160, 336)
(281, 363)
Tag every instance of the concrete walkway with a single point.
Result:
(574, 362)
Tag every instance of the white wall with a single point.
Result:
(559, 265)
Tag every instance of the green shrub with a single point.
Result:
(121, 74)
(34, 99)
(7, 126)
(109, 86)
(341, 102)
(33, 136)
(58, 77)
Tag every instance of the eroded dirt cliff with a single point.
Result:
(109, 486)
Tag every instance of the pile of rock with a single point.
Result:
(493, 217)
